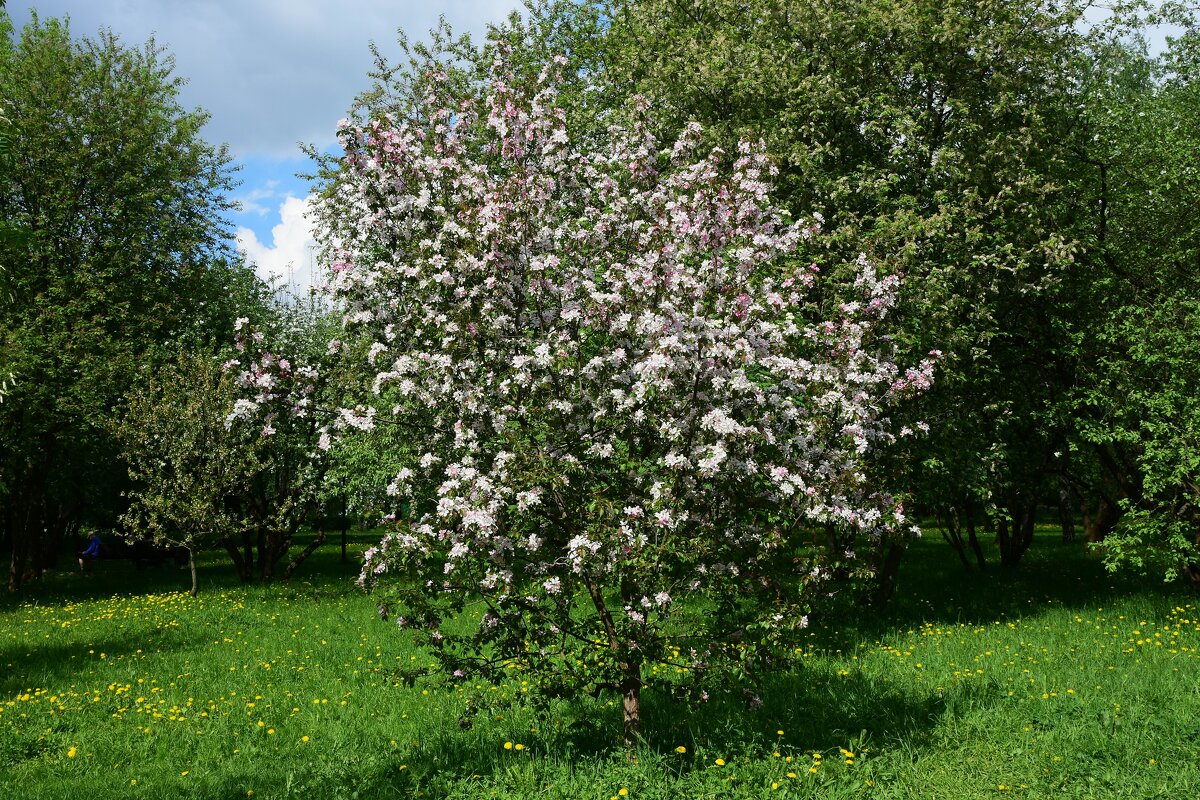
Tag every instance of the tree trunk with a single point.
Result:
(1066, 512)
(1015, 541)
(16, 565)
(952, 532)
(1099, 524)
(952, 525)
(261, 545)
(239, 562)
(192, 568)
(345, 527)
(22, 521)
(1192, 573)
(305, 553)
(631, 670)
(973, 538)
(248, 555)
(631, 691)
(887, 572)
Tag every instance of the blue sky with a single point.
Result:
(272, 73)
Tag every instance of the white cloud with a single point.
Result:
(271, 72)
(250, 202)
(289, 260)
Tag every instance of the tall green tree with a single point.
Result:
(121, 204)
(931, 135)
(1136, 407)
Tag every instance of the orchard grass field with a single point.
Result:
(1057, 680)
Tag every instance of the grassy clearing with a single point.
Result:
(1057, 681)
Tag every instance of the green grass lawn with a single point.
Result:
(1055, 681)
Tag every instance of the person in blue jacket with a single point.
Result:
(92, 552)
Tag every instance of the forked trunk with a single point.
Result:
(631, 669)
(305, 553)
(239, 562)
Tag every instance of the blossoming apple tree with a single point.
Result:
(633, 443)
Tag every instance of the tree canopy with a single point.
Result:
(122, 254)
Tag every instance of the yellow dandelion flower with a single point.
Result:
(623, 792)
(74, 751)
(720, 762)
(681, 749)
(518, 746)
(508, 745)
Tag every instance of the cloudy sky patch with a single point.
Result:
(273, 74)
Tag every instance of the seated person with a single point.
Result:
(92, 551)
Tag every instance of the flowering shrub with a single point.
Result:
(635, 447)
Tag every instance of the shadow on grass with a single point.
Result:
(818, 710)
(50, 663)
(933, 586)
(107, 578)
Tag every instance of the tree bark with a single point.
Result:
(345, 526)
(973, 539)
(630, 669)
(1099, 524)
(1066, 511)
(23, 519)
(887, 571)
(192, 568)
(631, 692)
(1015, 541)
(16, 565)
(305, 553)
(952, 533)
(239, 562)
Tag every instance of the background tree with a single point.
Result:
(187, 465)
(199, 478)
(929, 135)
(122, 206)
(1136, 411)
